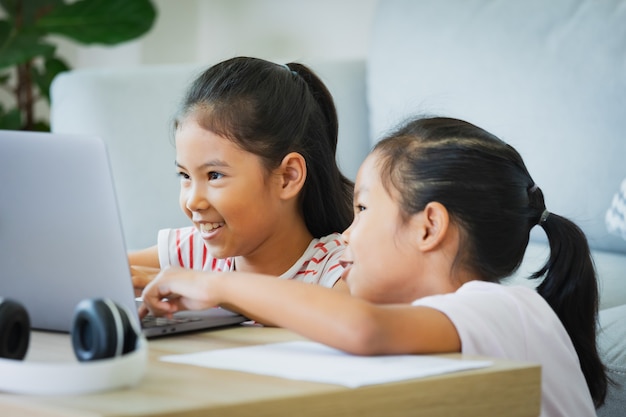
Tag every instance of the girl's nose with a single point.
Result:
(197, 199)
(345, 236)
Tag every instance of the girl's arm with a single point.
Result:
(145, 257)
(341, 285)
(321, 314)
(144, 266)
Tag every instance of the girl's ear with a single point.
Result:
(292, 175)
(433, 224)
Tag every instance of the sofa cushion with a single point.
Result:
(612, 346)
(547, 77)
(611, 269)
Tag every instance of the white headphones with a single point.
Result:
(112, 351)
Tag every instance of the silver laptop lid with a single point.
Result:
(61, 239)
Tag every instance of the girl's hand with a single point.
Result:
(142, 276)
(176, 289)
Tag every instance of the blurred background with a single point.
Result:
(207, 31)
(42, 38)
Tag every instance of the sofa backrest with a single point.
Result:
(548, 77)
(131, 110)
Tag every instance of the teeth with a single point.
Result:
(207, 227)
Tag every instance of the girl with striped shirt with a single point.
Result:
(255, 153)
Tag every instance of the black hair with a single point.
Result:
(271, 110)
(487, 190)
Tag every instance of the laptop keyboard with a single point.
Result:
(152, 321)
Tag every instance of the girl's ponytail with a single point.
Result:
(323, 98)
(569, 285)
(327, 193)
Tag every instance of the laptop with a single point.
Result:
(61, 238)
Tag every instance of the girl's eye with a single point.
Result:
(359, 208)
(215, 175)
(182, 175)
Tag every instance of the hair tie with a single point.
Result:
(288, 69)
(533, 188)
(544, 216)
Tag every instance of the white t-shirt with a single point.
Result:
(319, 264)
(516, 323)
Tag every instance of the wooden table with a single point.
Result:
(505, 389)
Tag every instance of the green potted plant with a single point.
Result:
(28, 60)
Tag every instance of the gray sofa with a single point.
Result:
(549, 77)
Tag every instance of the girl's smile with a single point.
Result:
(208, 230)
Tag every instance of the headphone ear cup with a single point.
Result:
(130, 332)
(101, 329)
(14, 329)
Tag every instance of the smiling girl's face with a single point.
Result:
(225, 191)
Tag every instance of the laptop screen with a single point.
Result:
(61, 239)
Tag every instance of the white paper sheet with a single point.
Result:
(309, 361)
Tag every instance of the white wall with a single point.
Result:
(207, 31)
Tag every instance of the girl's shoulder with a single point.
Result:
(477, 286)
(328, 243)
(486, 287)
(320, 261)
(504, 294)
(323, 250)
(488, 298)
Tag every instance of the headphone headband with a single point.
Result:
(112, 351)
(46, 378)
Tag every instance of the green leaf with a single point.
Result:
(100, 21)
(11, 120)
(10, 6)
(41, 126)
(22, 48)
(5, 31)
(27, 11)
(51, 68)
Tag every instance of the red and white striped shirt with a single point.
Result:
(319, 264)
